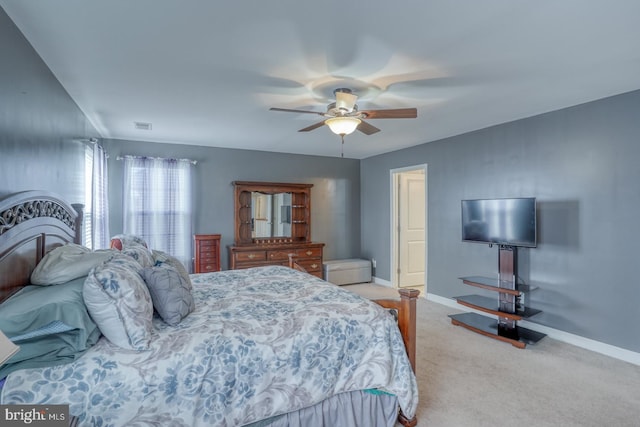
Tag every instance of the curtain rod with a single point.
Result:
(87, 140)
(193, 162)
(91, 142)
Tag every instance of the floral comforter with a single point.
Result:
(261, 342)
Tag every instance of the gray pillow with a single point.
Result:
(170, 293)
(163, 257)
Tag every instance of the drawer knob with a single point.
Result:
(314, 265)
(309, 253)
(251, 256)
(208, 267)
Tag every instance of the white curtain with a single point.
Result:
(157, 204)
(96, 215)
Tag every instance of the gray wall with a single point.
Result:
(39, 123)
(582, 165)
(335, 196)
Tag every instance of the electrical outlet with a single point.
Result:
(373, 263)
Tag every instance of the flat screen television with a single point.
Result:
(509, 222)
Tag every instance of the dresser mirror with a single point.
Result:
(271, 213)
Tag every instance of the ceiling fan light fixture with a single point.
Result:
(342, 125)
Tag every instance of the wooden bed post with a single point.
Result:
(294, 264)
(407, 322)
(406, 307)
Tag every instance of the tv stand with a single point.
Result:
(507, 308)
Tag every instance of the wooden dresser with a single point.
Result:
(206, 249)
(309, 256)
(273, 220)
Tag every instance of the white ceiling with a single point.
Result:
(205, 72)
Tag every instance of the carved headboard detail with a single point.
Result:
(31, 224)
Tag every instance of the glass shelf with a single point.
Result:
(519, 337)
(494, 285)
(491, 305)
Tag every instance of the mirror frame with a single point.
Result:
(300, 211)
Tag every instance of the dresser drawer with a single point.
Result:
(250, 256)
(207, 267)
(311, 265)
(207, 244)
(208, 253)
(211, 259)
(309, 252)
(280, 255)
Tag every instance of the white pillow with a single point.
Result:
(66, 263)
(140, 254)
(119, 302)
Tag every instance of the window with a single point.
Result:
(96, 207)
(157, 204)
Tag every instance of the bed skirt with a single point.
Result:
(356, 409)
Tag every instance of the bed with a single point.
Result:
(264, 346)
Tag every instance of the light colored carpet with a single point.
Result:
(466, 379)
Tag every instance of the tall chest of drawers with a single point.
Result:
(206, 253)
(309, 256)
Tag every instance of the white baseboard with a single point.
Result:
(379, 281)
(577, 340)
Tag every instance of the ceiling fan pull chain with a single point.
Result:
(342, 145)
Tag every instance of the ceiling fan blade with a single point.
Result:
(345, 101)
(288, 110)
(312, 127)
(367, 129)
(398, 113)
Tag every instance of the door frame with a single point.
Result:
(393, 226)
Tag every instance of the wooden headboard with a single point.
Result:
(31, 224)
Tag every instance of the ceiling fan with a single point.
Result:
(343, 116)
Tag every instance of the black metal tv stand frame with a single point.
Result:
(508, 308)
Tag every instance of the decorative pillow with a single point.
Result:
(140, 254)
(50, 324)
(170, 293)
(121, 241)
(119, 302)
(162, 257)
(66, 263)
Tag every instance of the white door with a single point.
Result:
(411, 228)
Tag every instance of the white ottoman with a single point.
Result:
(347, 271)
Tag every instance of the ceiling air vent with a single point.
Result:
(142, 125)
